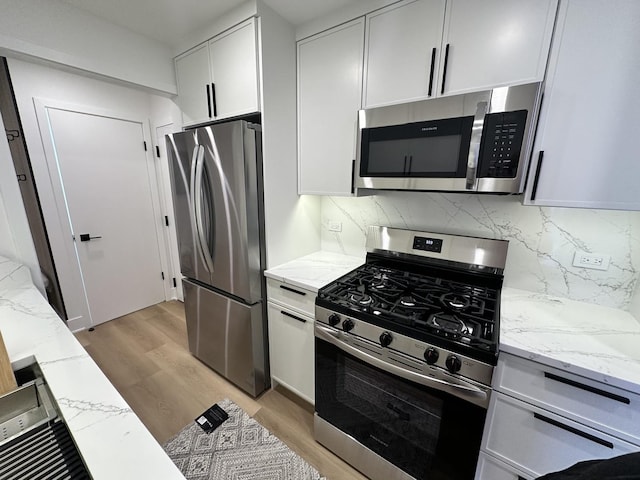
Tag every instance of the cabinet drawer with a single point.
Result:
(291, 296)
(490, 468)
(537, 441)
(291, 350)
(601, 406)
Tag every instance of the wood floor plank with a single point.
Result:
(146, 356)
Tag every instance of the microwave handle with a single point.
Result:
(474, 145)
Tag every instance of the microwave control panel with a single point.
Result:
(501, 144)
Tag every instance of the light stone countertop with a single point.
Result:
(599, 343)
(314, 271)
(111, 438)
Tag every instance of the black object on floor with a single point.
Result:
(212, 418)
(624, 467)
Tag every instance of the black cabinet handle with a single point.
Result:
(575, 431)
(293, 316)
(289, 289)
(444, 69)
(353, 176)
(587, 388)
(213, 95)
(433, 65)
(209, 100)
(534, 190)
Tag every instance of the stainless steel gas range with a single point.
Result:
(406, 345)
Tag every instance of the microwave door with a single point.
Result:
(430, 155)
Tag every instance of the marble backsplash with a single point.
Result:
(542, 240)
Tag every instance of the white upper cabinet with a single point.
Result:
(587, 146)
(329, 93)
(192, 75)
(417, 49)
(234, 72)
(219, 79)
(402, 52)
(494, 42)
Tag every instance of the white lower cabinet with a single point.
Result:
(490, 468)
(543, 420)
(537, 441)
(291, 338)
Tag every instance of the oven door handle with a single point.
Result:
(479, 396)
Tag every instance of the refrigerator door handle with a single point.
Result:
(197, 166)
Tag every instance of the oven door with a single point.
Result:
(422, 427)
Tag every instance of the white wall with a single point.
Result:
(61, 33)
(38, 81)
(15, 237)
(542, 241)
(292, 221)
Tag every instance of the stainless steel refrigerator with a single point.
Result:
(216, 176)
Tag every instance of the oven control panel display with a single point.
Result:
(427, 244)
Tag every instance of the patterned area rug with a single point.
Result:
(239, 449)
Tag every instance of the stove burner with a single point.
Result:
(408, 301)
(360, 298)
(455, 301)
(450, 325)
(380, 281)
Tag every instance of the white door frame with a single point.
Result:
(57, 219)
(166, 201)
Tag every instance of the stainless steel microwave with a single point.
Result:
(476, 142)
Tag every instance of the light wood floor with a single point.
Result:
(146, 357)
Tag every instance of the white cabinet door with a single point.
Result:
(234, 71)
(587, 149)
(192, 76)
(536, 441)
(291, 350)
(402, 51)
(493, 43)
(490, 468)
(329, 92)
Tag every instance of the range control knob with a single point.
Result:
(334, 319)
(385, 339)
(431, 355)
(348, 325)
(453, 363)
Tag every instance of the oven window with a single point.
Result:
(424, 432)
(422, 149)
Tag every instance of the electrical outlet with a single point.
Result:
(597, 261)
(335, 226)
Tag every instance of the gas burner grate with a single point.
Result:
(450, 308)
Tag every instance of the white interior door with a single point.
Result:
(104, 172)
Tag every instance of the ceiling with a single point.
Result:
(168, 21)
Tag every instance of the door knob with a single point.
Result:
(85, 237)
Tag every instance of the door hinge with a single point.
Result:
(145, 146)
(157, 151)
(162, 275)
(175, 284)
(166, 221)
